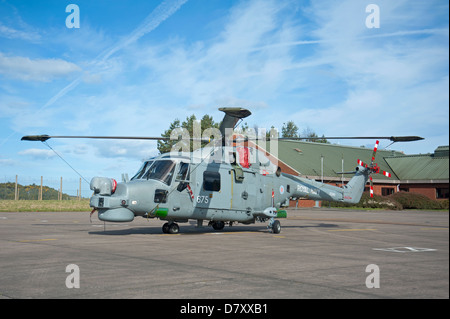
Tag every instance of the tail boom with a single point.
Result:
(350, 193)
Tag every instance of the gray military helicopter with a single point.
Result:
(226, 182)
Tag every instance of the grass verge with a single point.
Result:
(44, 205)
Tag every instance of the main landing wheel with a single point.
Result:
(171, 228)
(218, 225)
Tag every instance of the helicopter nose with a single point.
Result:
(111, 200)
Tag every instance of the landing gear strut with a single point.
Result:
(170, 228)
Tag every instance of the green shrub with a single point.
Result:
(379, 202)
(368, 202)
(415, 201)
(396, 201)
(444, 203)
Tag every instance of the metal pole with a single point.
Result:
(40, 190)
(321, 166)
(15, 191)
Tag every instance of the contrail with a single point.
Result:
(335, 40)
(150, 23)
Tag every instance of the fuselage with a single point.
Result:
(229, 184)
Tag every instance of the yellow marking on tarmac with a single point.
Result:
(36, 240)
(279, 236)
(352, 229)
(433, 228)
(218, 233)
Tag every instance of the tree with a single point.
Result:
(289, 129)
(165, 146)
(311, 136)
(206, 122)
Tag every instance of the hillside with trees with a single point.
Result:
(29, 192)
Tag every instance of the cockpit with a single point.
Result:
(162, 170)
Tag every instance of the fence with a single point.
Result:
(42, 188)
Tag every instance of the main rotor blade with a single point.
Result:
(391, 138)
(44, 137)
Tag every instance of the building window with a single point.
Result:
(386, 191)
(441, 193)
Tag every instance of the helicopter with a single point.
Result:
(231, 180)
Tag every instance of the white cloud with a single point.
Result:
(27, 69)
(227, 66)
(135, 150)
(12, 105)
(161, 13)
(37, 153)
(13, 33)
(395, 79)
(7, 162)
(321, 68)
(345, 81)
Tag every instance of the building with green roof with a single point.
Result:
(427, 174)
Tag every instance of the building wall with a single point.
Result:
(302, 203)
(428, 190)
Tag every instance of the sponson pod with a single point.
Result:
(120, 215)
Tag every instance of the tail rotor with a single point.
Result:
(373, 167)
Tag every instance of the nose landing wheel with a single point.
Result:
(274, 226)
(170, 228)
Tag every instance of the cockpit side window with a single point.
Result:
(183, 172)
(168, 178)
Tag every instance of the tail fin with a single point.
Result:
(355, 187)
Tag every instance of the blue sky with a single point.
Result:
(133, 67)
